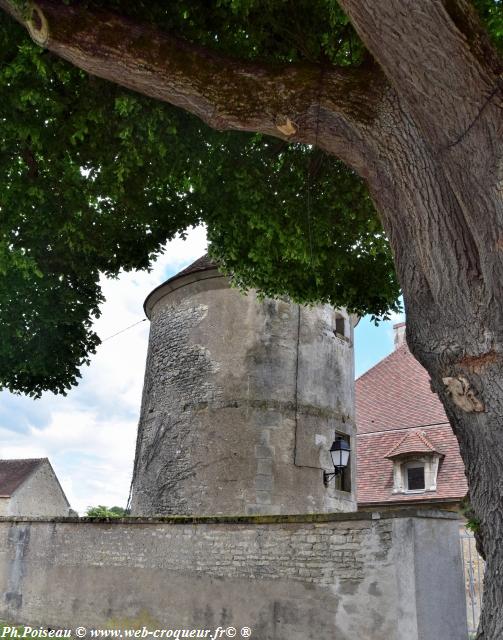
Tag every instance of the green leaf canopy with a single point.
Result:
(95, 179)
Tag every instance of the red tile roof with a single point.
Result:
(394, 399)
(412, 442)
(14, 472)
(396, 393)
(375, 471)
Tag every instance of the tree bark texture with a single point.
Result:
(423, 125)
(439, 189)
(445, 238)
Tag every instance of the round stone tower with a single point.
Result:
(241, 401)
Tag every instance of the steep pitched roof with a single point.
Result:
(14, 472)
(396, 393)
(412, 442)
(393, 399)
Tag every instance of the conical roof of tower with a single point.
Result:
(204, 263)
(201, 264)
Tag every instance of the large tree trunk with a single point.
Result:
(438, 186)
(445, 222)
(480, 436)
(472, 395)
(468, 378)
(467, 374)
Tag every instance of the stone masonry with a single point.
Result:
(343, 576)
(241, 401)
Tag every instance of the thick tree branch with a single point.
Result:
(286, 101)
(12, 9)
(437, 57)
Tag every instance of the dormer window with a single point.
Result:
(414, 476)
(415, 464)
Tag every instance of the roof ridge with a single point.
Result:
(200, 264)
(397, 445)
(396, 392)
(410, 437)
(402, 347)
(23, 459)
(424, 439)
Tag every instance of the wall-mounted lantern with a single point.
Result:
(339, 452)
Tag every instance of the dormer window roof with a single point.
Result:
(414, 442)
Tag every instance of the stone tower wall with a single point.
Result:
(240, 403)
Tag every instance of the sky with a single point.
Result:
(89, 435)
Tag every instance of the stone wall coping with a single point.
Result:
(310, 518)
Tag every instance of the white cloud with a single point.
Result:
(89, 435)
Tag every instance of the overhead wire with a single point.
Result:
(122, 330)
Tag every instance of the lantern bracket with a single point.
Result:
(328, 476)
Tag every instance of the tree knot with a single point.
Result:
(463, 395)
(37, 25)
(285, 125)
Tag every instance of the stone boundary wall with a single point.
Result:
(356, 576)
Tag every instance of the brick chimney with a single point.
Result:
(399, 331)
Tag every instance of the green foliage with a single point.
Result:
(101, 511)
(289, 220)
(269, 30)
(95, 179)
(87, 182)
(491, 14)
(472, 522)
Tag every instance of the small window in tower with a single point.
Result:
(340, 326)
(415, 478)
